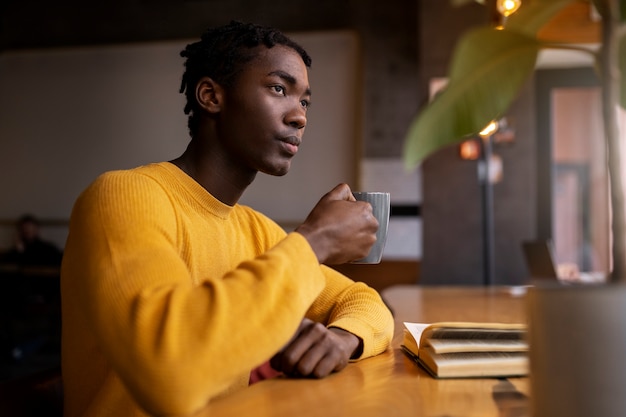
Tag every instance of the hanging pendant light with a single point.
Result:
(508, 7)
(489, 130)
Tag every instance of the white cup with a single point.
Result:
(381, 206)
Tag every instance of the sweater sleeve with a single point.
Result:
(176, 345)
(348, 305)
(356, 308)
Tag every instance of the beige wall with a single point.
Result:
(578, 134)
(118, 106)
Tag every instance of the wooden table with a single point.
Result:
(391, 385)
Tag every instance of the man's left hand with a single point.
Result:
(316, 351)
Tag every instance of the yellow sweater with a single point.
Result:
(171, 297)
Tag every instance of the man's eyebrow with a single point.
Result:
(290, 79)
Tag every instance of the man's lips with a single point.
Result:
(292, 140)
(291, 144)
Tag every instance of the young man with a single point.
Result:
(172, 292)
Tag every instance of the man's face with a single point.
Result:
(263, 116)
(28, 231)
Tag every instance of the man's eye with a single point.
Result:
(279, 89)
(305, 103)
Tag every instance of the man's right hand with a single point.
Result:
(339, 228)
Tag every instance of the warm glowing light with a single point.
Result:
(469, 150)
(508, 7)
(490, 129)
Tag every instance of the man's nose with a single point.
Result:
(296, 117)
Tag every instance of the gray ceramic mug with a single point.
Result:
(381, 206)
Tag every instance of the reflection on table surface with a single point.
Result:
(391, 384)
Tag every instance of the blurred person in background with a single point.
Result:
(29, 249)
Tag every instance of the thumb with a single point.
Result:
(341, 192)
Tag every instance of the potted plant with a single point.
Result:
(489, 59)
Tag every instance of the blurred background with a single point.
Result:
(90, 87)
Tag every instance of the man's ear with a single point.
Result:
(210, 95)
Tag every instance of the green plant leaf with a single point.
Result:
(532, 16)
(488, 69)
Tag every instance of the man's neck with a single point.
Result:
(213, 173)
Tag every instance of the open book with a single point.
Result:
(464, 350)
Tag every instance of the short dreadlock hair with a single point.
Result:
(222, 53)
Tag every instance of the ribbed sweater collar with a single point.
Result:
(196, 191)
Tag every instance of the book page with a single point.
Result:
(487, 326)
(474, 364)
(472, 334)
(467, 336)
(416, 330)
(468, 349)
(474, 345)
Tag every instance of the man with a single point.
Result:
(172, 292)
(30, 249)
